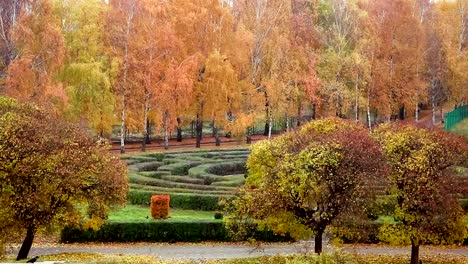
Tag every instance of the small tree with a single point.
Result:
(300, 182)
(50, 170)
(420, 164)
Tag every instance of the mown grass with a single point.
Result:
(135, 213)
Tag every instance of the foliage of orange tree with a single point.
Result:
(120, 28)
(421, 176)
(154, 47)
(47, 178)
(40, 48)
(300, 182)
(9, 14)
(398, 54)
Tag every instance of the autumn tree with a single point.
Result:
(175, 93)
(9, 14)
(87, 71)
(48, 178)
(452, 28)
(421, 177)
(209, 28)
(299, 182)
(120, 27)
(40, 47)
(397, 57)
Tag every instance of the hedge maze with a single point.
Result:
(194, 179)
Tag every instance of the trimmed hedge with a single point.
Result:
(178, 200)
(139, 179)
(160, 206)
(159, 189)
(160, 231)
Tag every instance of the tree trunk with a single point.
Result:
(356, 103)
(27, 243)
(145, 125)
(198, 132)
(148, 133)
(267, 128)
(270, 125)
(287, 123)
(318, 242)
(166, 131)
(267, 131)
(414, 253)
(314, 111)
(416, 113)
(248, 136)
(368, 110)
(122, 128)
(179, 130)
(216, 135)
(299, 116)
(402, 112)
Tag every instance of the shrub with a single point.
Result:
(383, 205)
(218, 215)
(464, 204)
(160, 231)
(160, 206)
(148, 166)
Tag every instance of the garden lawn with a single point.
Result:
(136, 213)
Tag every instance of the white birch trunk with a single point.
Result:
(166, 131)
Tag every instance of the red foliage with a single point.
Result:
(160, 206)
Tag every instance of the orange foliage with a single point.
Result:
(160, 206)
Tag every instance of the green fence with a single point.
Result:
(456, 116)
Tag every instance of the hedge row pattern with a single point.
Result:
(194, 179)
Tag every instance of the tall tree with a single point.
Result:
(48, 178)
(120, 28)
(155, 46)
(422, 178)
(40, 47)
(453, 32)
(87, 70)
(395, 74)
(9, 15)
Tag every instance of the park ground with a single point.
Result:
(219, 251)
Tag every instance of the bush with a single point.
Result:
(160, 206)
(383, 205)
(218, 215)
(159, 231)
(464, 204)
(148, 166)
(178, 200)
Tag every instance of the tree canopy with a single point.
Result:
(51, 170)
(421, 175)
(300, 182)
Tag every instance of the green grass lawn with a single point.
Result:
(140, 213)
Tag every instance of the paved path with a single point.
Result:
(225, 250)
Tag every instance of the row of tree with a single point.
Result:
(324, 174)
(232, 61)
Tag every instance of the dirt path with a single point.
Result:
(226, 250)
